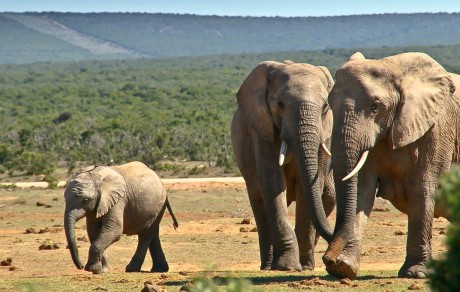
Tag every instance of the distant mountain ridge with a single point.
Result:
(51, 36)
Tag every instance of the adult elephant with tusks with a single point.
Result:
(396, 129)
(280, 135)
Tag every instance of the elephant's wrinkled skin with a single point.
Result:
(285, 102)
(403, 113)
(124, 199)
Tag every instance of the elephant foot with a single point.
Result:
(418, 271)
(160, 268)
(266, 267)
(342, 268)
(131, 268)
(308, 264)
(308, 268)
(286, 264)
(96, 268)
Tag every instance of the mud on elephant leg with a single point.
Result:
(347, 263)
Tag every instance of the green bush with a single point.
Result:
(445, 275)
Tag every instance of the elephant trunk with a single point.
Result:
(71, 216)
(346, 154)
(307, 146)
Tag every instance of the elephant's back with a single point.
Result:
(145, 199)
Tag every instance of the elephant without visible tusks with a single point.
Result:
(123, 199)
(398, 120)
(280, 134)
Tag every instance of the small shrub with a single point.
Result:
(445, 275)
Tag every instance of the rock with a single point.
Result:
(41, 204)
(415, 286)
(345, 281)
(6, 262)
(30, 231)
(83, 238)
(246, 221)
(48, 245)
(245, 229)
(46, 230)
(149, 287)
(400, 232)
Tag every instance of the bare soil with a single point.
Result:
(212, 240)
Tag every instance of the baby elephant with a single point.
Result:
(128, 199)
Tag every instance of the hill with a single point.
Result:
(163, 112)
(79, 36)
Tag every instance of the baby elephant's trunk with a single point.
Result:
(70, 218)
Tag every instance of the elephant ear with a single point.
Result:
(328, 84)
(111, 187)
(329, 81)
(252, 99)
(425, 90)
(356, 57)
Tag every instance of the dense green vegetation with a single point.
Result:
(445, 274)
(172, 35)
(176, 109)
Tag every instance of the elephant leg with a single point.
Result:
(145, 239)
(348, 261)
(265, 245)
(282, 235)
(305, 233)
(143, 242)
(418, 250)
(93, 228)
(160, 264)
(273, 187)
(110, 232)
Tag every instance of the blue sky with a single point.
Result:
(285, 8)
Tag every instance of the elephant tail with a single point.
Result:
(175, 224)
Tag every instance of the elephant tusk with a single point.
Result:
(358, 166)
(282, 153)
(324, 147)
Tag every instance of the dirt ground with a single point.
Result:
(211, 239)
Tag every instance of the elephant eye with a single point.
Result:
(374, 107)
(280, 104)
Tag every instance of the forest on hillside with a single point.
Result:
(157, 111)
(47, 36)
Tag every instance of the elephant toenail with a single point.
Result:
(420, 275)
